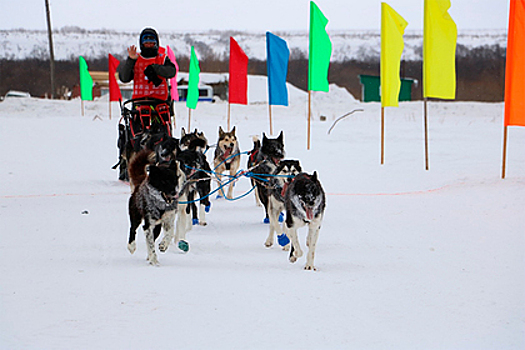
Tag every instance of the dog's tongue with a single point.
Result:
(309, 213)
(227, 152)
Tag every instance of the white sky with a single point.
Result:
(259, 15)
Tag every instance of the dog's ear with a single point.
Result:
(314, 176)
(233, 131)
(264, 137)
(281, 136)
(182, 132)
(196, 131)
(221, 132)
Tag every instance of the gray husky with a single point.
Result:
(278, 184)
(154, 200)
(305, 203)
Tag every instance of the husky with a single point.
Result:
(263, 161)
(195, 140)
(305, 203)
(227, 158)
(154, 200)
(281, 179)
(197, 171)
(161, 150)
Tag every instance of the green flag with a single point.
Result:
(86, 82)
(320, 50)
(193, 83)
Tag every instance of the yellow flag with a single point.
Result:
(439, 51)
(392, 30)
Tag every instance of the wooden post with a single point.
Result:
(229, 111)
(82, 105)
(504, 164)
(270, 110)
(382, 135)
(309, 116)
(110, 109)
(189, 118)
(426, 134)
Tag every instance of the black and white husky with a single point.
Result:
(262, 162)
(278, 184)
(305, 203)
(154, 200)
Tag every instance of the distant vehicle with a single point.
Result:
(14, 93)
(205, 93)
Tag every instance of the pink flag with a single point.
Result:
(173, 81)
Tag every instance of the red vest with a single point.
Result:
(142, 87)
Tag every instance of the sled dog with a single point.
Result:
(227, 158)
(278, 184)
(197, 171)
(154, 201)
(262, 161)
(305, 203)
(197, 142)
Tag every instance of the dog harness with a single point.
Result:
(142, 87)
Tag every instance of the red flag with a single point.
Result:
(515, 67)
(238, 74)
(114, 89)
(173, 81)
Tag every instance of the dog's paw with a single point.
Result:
(195, 221)
(153, 260)
(184, 246)
(203, 223)
(163, 246)
(293, 259)
(132, 247)
(283, 240)
(286, 248)
(268, 243)
(207, 208)
(310, 268)
(266, 221)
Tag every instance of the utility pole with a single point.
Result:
(51, 51)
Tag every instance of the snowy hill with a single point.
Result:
(70, 42)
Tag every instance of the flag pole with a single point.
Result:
(229, 111)
(426, 133)
(309, 117)
(109, 109)
(270, 110)
(189, 118)
(382, 135)
(82, 106)
(504, 165)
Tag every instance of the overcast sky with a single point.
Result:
(259, 15)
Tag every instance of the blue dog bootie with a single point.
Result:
(266, 221)
(195, 221)
(283, 239)
(207, 208)
(281, 217)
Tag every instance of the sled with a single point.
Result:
(143, 123)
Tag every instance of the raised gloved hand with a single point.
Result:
(152, 75)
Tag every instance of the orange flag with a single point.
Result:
(114, 89)
(515, 67)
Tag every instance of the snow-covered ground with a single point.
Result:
(407, 258)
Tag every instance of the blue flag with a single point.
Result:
(277, 55)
